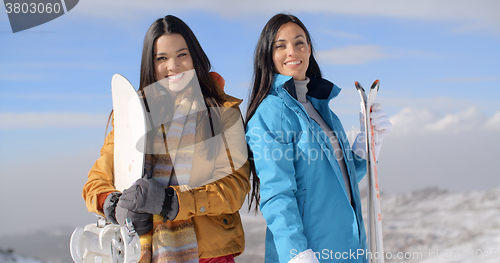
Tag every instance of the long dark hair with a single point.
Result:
(172, 25)
(263, 72)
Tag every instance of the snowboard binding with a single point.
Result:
(104, 242)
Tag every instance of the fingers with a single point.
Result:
(376, 107)
(142, 222)
(380, 120)
(381, 123)
(132, 198)
(143, 225)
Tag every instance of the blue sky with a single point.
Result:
(438, 63)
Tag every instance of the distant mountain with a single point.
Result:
(50, 244)
(8, 256)
(442, 226)
(430, 225)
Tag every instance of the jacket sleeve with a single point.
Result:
(227, 193)
(100, 177)
(360, 165)
(274, 165)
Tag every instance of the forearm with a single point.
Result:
(224, 196)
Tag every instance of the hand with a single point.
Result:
(143, 222)
(109, 206)
(145, 196)
(306, 256)
(381, 123)
(148, 196)
(381, 127)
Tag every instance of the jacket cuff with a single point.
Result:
(192, 202)
(101, 198)
(170, 204)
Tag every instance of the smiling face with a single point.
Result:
(172, 62)
(291, 51)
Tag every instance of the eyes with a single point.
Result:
(180, 55)
(282, 44)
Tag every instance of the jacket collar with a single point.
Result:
(321, 89)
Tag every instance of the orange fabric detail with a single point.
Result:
(218, 78)
(100, 200)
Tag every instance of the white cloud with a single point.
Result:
(469, 79)
(24, 66)
(493, 123)
(468, 120)
(340, 34)
(53, 96)
(471, 15)
(351, 55)
(424, 121)
(35, 120)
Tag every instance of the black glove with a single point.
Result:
(148, 196)
(109, 206)
(143, 222)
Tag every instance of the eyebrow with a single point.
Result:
(285, 40)
(162, 53)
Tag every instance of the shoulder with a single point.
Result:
(231, 102)
(271, 106)
(271, 115)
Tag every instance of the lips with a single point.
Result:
(293, 63)
(175, 76)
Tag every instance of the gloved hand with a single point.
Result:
(381, 127)
(306, 256)
(381, 123)
(148, 196)
(143, 222)
(109, 206)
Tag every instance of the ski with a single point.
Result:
(375, 239)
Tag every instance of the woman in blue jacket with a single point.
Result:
(307, 172)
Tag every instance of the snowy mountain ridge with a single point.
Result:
(443, 226)
(8, 256)
(430, 225)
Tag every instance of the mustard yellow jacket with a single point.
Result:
(213, 207)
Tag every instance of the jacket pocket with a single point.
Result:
(226, 220)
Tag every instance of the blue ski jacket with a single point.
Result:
(303, 194)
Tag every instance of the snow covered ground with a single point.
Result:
(442, 226)
(428, 226)
(8, 256)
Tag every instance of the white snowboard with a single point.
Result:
(130, 131)
(103, 242)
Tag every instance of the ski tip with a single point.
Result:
(375, 84)
(358, 86)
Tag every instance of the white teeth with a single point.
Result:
(293, 63)
(176, 76)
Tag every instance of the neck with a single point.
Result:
(301, 89)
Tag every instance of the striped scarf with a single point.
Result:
(172, 241)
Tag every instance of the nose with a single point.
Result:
(291, 50)
(172, 65)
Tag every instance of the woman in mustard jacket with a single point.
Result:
(189, 214)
